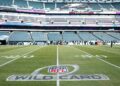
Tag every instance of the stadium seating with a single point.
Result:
(42, 37)
(21, 3)
(62, 6)
(116, 5)
(5, 2)
(20, 36)
(87, 36)
(104, 37)
(61, 20)
(4, 33)
(70, 36)
(95, 7)
(114, 34)
(36, 5)
(54, 36)
(106, 6)
(50, 6)
(39, 36)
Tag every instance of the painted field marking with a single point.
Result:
(11, 56)
(16, 49)
(87, 56)
(69, 76)
(17, 58)
(108, 63)
(28, 57)
(100, 59)
(58, 81)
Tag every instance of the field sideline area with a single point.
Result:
(15, 60)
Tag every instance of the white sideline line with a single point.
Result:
(100, 59)
(16, 58)
(58, 81)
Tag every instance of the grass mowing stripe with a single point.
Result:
(17, 58)
(101, 59)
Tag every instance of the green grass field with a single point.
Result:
(91, 60)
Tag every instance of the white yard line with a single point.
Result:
(109, 63)
(17, 58)
(101, 59)
(57, 81)
(8, 62)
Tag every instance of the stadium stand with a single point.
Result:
(54, 36)
(94, 7)
(5, 2)
(87, 36)
(70, 36)
(94, 17)
(106, 6)
(21, 3)
(36, 5)
(116, 5)
(114, 34)
(63, 6)
(20, 37)
(39, 36)
(104, 37)
(4, 33)
(50, 6)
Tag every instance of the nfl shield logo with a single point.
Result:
(58, 69)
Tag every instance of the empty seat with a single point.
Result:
(20, 36)
(50, 6)
(54, 36)
(116, 5)
(94, 6)
(114, 34)
(21, 3)
(70, 36)
(103, 36)
(39, 36)
(36, 5)
(4, 33)
(106, 6)
(87, 36)
(5, 2)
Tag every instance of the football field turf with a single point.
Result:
(16, 60)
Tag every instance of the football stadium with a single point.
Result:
(59, 42)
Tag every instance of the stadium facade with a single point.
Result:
(41, 22)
